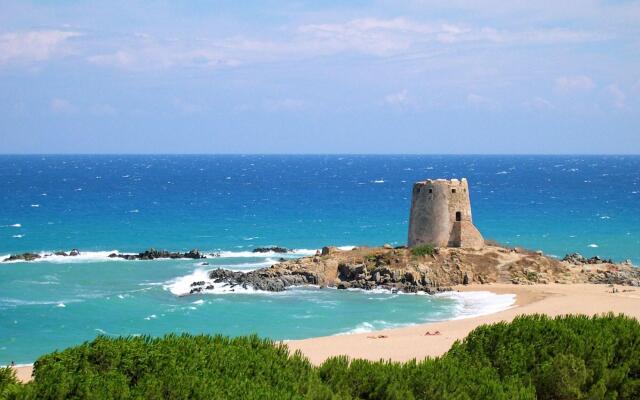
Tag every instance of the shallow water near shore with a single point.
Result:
(231, 204)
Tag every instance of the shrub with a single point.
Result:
(423, 250)
(533, 357)
(8, 383)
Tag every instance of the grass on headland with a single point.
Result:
(423, 250)
(533, 357)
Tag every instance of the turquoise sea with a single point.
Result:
(232, 204)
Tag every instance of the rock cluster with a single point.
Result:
(23, 257)
(35, 256)
(579, 259)
(275, 249)
(625, 278)
(359, 276)
(267, 279)
(153, 254)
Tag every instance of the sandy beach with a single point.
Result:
(407, 343)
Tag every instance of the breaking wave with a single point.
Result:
(181, 286)
(475, 304)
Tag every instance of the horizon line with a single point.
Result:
(322, 154)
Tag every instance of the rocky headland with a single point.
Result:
(409, 270)
(430, 270)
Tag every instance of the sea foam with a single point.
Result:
(474, 304)
(181, 286)
(467, 305)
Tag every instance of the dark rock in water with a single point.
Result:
(22, 257)
(199, 283)
(275, 249)
(152, 254)
(74, 252)
(61, 253)
(262, 279)
(195, 254)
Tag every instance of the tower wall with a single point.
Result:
(441, 215)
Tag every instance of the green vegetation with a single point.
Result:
(533, 357)
(423, 250)
(9, 385)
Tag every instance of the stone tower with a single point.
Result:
(441, 215)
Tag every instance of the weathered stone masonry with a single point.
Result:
(441, 215)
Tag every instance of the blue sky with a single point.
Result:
(405, 76)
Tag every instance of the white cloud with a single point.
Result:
(567, 84)
(120, 59)
(397, 99)
(618, 97)
(143, 52)
(33, 45)
(62, 106)
(370, 36)
(389, 36)
(539, 103)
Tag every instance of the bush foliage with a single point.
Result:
(423, 250)
(533, 357)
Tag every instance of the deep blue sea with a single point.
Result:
(99, 204)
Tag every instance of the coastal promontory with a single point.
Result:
(423, 269)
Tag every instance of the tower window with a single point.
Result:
(430, 190)
(453, 190)
(458, 216)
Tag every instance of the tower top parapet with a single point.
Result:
(450, 182)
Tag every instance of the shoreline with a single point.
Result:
(410, 342)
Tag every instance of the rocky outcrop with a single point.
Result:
(267, 279)
(397, 269)
(35, 256)
(274, 249)
(23, 257)
(578, 259)
(153, 254)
